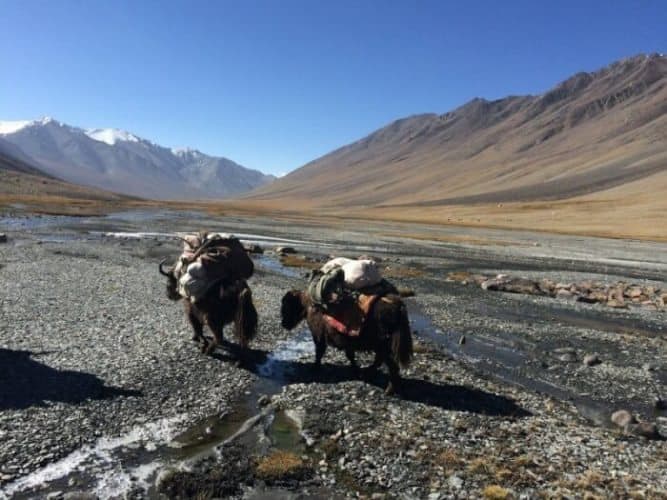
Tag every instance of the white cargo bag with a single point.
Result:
(334, 263)
(361, 273)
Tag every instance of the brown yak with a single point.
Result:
(225, 302)
(386, 331)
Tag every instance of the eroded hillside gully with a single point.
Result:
(533, 344)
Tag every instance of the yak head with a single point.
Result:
(172, 282)
(292, 309)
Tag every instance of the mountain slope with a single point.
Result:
(118, 161)
(12, 159)
(21, 182)
(591, 133)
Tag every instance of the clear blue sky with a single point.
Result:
(274, 84)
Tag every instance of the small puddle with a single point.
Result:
(273, 265)
(116, 467)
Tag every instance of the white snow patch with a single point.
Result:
(100, 455)
(111, 136)
(186, 151)
(11, 127)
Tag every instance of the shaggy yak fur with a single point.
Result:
(386, 331)
(224, 303)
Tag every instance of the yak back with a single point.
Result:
(207, 259)
(225, 257)
(344, 309)
(222, 256)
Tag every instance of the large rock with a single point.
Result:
(617, 304)
(591, 360)
(285, 250)
(647, 430)
(253, 248)
(623, 418)
(512, 285)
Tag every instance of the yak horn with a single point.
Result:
(167, 274)
(186, 242)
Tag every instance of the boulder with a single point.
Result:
(568, 357)
(3, 238)
(253, 248)
(646, 430)
(547, 286)
(592, 359)
(492, 284)
(623, 418)
(285, 250)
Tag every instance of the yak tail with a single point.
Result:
(245, 321)
(401, 339)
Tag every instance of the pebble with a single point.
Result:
(455, 482)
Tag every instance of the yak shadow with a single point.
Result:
(25, 382)
(445, 396)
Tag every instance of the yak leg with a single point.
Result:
(197, 325)
(377, 363)
(320, 349)
(215, 323)
(394, 375)
(349, 352)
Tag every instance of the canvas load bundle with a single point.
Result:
(342, 276)
(347, 290)
(207, 259)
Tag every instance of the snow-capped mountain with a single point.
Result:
(119, 161)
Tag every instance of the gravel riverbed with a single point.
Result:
(498, 402)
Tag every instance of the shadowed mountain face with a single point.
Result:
(20, 178)
(592, 132)
(12, 159)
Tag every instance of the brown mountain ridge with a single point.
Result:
(600, 133)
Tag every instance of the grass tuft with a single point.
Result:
(281, 465)
(495, 492)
